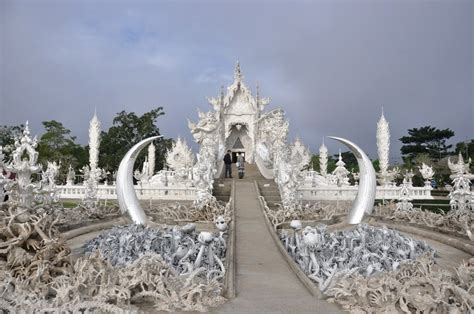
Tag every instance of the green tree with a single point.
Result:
(425, 140)
(376, 164)
(8, 134)
(466, 148)
(57, 144)
(350, 159)
(315, 163)
(128, 129)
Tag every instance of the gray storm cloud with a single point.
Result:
(330, 65)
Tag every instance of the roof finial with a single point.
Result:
(237, 72)
(258, 93)
(222, 96)
(26, 130)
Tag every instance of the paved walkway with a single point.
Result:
(265, 283)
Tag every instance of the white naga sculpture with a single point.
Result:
(288, 166)
(461, 197)
(364, 202)
(207, 133)
(300, 154)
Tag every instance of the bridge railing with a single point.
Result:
(145, 193)
(350, 193)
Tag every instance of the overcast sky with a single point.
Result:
(331, 65)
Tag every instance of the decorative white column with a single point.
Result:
(71, 176)
(151, 159)
(461, 197)
(341, 173)
(94, 143)
(323, 160)
(23, 167)
(383, 148)
(92, 175)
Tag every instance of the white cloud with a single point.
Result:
(163, 61)
(212, 75)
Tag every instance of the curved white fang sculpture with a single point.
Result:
(364, 201)
(126, 197)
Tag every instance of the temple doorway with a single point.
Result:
(237, 149)
(236, 153)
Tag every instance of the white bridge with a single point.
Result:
(329, 193)
(108, 192)
(348, 193)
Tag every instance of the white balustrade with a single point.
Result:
(144, 193)
(349, 193)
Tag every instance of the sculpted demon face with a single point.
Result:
(221, 224)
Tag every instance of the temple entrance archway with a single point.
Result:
(237, 149)
(238, 142)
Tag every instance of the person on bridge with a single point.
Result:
(241, 165)
(228, 164)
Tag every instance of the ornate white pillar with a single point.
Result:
(151, 159)
(323, 160)
(93, 175)
(94, 143)
(383, 147)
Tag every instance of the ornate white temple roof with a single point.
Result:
(238, 99)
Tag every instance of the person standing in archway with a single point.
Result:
(228, 164)
(241, 165)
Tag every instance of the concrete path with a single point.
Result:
(265, 283)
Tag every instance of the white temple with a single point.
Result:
(238, 122)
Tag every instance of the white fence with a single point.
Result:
(349, 193)
(143, 193)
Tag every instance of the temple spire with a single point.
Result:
(257, 98)
(323, 159)
(238, 73)
(383, 145)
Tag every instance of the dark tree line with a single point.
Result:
(426, 140)
(426, 144)
(128, 129)
(58, 144)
